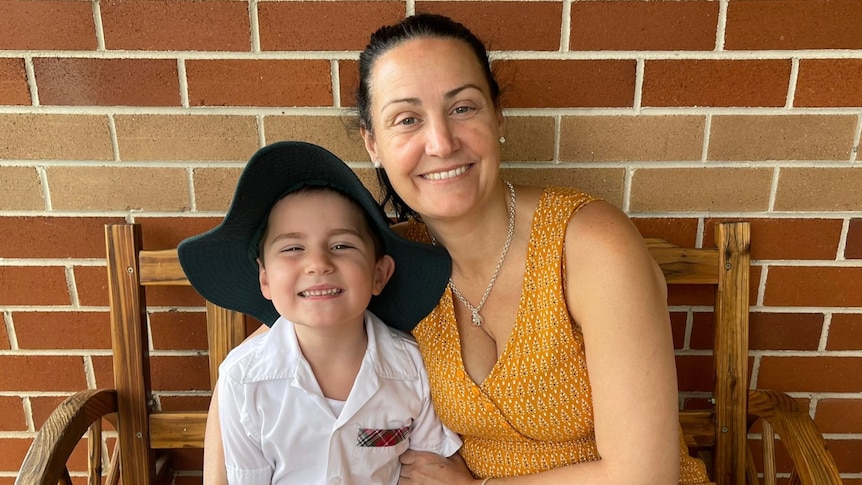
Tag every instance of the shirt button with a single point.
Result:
(336, 481)
(459, 374)
(489, 407)
(475, 391)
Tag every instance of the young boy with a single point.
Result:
(330, 394)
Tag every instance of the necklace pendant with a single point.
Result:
(477, 319)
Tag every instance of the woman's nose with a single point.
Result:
(441, 142)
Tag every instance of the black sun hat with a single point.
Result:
(221, 266)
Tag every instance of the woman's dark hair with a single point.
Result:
(421, 25)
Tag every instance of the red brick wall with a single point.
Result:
(682, 113)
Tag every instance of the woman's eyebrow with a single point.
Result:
(449, 95)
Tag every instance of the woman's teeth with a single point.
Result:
(446, 175)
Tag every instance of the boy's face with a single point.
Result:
(320, 268)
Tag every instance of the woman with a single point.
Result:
(550, 353)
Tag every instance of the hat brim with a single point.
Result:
(219, 266)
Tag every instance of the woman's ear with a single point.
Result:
(370, 144)
(501, 123)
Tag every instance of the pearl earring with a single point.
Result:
(377, 164)
(502, 139)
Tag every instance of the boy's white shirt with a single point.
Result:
(278, 428)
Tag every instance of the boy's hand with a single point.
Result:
(423, 468)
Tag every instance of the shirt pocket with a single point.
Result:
(376, 453)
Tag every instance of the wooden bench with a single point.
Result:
(719, 434)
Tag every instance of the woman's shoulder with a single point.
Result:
(600, 226)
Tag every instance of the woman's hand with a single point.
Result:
(423, 468)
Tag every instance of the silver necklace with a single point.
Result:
(474, 310)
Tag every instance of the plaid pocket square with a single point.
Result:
(369, 437)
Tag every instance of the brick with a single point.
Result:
(176, 26)
(118, 188)
(259, 83)
(47, 25)
(214, 188)
(786, 137)
(297, 26)
(348, 75)
(528, 139)
(179, 330)
(568, 83)
(719, 83)
(48, 237)
(44, 373)
(187, 138)
(14, 450)
(617, 138)
(64, 137)
(174, 296)
(12, 410)
(802, 189)
(187, 459)
(33, 285)
(4, 340)
(91, 283)
(13, 82)
(22, 190)
(63, 330)
(167, 232)
(606, 183)
(332, 132)
(694, 373)
(811, 239)
(845, 332)
(847, 454)
(810, 374)
(829, 82)
(767, 331)
(839, 415)
(813, 286)
(700, 189)
(107, 82)
(184, 403)
(103, 371)
(681, 231)
(501, 25)
(678, 322)
(793, 25)
(43, 406)
(636, 26)
(853, 246)
(180, 373)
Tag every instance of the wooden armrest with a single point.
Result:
(813, 463)
(46, 459)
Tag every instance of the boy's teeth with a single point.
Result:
(447, 175)
(333, 291)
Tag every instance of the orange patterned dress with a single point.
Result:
(534, 411)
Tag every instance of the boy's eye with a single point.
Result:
(290, 249)
(342, 246)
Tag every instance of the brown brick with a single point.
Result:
(64, 137)
(810, 374)
(92, 285)
(33, 285)
(167, 232)
(845, 332)
(502, 25)
(853, 247)
(184, 403)
(44, 25)
(694, 373)
(43, 406)
(44, 373)
(348, 75)
(615, 138)
(13, 82)
(767, 331)
(700, 189)
(787, 137)
(259, 82)
(103, 371)
(829, 82)
(847, 454)
(180, 373)
(174, 296)
(528, 139)
(22, 190)
(66, 330)
(573, 83)
(681, 231)
(635, 26)
(107, 82)
(214, 188)
(297, 26)
(802, 189)
(720, 83)
(183, 137)
(813, 286)
(839, 415)
(14, 450)
(793, 24)
(678, 322)
(12, 410)
(48, 237)
(209, 25)
(118, 188)
(606, 183)
(4, 340)
(179, 330)
(788, 238)
(332, 132)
